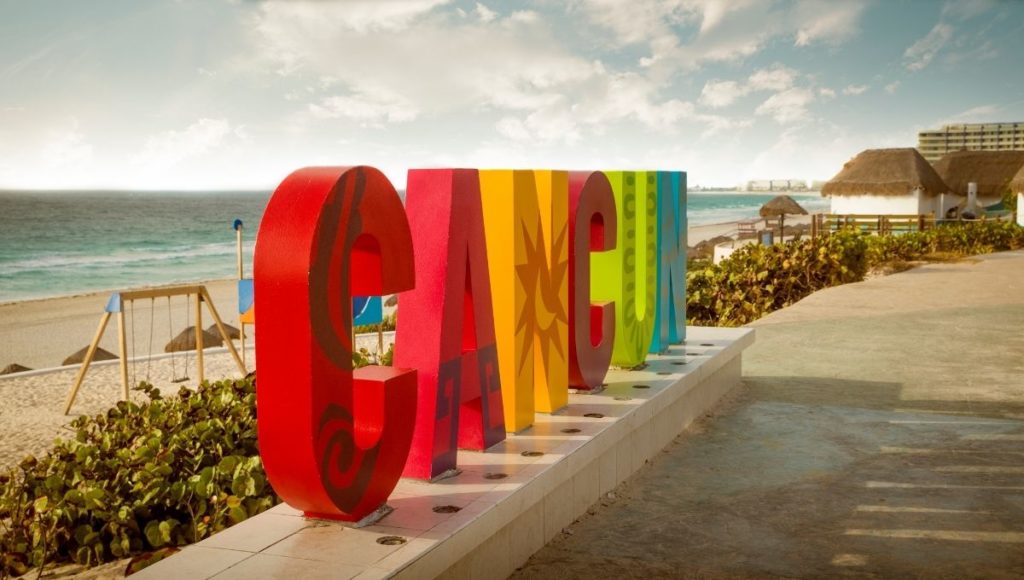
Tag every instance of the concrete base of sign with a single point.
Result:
(507, 502)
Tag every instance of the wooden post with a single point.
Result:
(122, 344)
(920, 223)
(224, 333)
(238, 238)
(85, 363)
(241, 336)
(380, 341)
(199, 336)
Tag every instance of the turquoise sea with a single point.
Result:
(66, 243)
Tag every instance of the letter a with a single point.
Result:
(333, 441)
(446, 329)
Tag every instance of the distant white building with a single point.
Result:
(889, 182)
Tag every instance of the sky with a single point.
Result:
(220, 94)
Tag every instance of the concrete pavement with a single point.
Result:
(879, 433)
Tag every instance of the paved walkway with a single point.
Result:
(879, 433)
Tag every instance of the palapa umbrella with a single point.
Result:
(232, 332)
(79, 356)
(14, 368)
(781, 205)
(186, 340)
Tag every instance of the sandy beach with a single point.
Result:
(40, 333)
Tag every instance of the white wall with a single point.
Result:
(1020, 208)
(948, 201)
(913, 203)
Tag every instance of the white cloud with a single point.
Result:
(788, 106)
(368, 109)
(826, 93)
(777, 78)
(920, 54)
(979, 114)
(855, 89)
(484, 13)
(728, 29)
(717, 94)
(828, 22)
(514, 67)
(892, 87)
(437, 65)
(967, 9)
(172, 147)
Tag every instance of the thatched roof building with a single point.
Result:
(991, 170)
(886, 172)
(1017, 183)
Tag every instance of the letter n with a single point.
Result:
(670, 316)
(445, 328)
(525, 217)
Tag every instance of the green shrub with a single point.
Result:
(167, 472)
(756, 279)
(141, 477)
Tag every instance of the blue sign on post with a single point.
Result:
(367, 310)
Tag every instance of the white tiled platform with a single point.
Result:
(501, 522)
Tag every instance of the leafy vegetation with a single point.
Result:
(756, 280)
(141, 478)
(166, 472)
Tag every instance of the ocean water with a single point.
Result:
(66, 243)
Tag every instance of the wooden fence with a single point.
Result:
(877, 224)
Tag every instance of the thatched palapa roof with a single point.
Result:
(886, 172)
(186, 340)
(214, 331)
(991, 170)
(79, 356)
(1017, 183)
(14, 368)
(782, 205)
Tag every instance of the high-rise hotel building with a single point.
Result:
(973, 137)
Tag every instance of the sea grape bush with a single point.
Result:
(166, 472)
(140, 478)
(756, 280)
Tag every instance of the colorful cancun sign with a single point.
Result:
(514, 286)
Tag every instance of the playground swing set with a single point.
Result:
(366, 310)
(116, 305)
